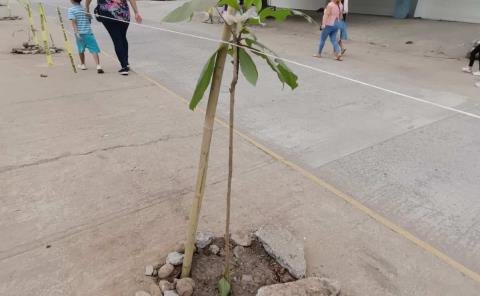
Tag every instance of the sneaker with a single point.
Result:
(82, 67)
(99, 69)
(476, 73)
(467, 69)
(124, 71)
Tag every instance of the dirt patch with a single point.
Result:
(251, 268)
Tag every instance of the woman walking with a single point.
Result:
(115, 17)
(331, 17)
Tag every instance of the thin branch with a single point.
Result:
(233, 86)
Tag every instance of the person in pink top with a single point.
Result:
(331, 16)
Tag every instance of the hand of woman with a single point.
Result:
(138, 18)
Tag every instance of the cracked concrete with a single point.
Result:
(67, 154)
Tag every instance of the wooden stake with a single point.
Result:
(68, 48)
(44, 34)
(205, 150)
(28, 7)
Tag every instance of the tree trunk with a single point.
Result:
(205, 150)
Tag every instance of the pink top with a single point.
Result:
(332, 13)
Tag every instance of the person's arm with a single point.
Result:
(326, 15)
(75, 28)
(138, 17)
(71, 17)
(87, 8)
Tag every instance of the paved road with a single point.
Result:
(416, 164)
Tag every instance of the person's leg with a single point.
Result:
(343, 37)
(124, 29)
(323, 39)
(81, 55)
(96, 58)
(336, 47)
(473, 55)
(81, 52)
(92, 45)
(116, 37)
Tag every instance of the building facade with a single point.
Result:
(458, 10)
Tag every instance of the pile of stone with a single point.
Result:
(278, 242)
(176, 287)
(28, 48)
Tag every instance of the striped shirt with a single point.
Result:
(77, 13)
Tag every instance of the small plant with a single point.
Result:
(239, 42)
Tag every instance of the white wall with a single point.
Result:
(457, 10)
(378, 7)
(299, 4)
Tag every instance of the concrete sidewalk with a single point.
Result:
(96, 179)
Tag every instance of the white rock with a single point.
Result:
(214, 249)
(305, 287)
(238, 251)
(166, 286)
(170, 293)
(204, 239)
(283, 247)
(185, 286)
(175, 258)
(165, 271)
(242, 238)
(149, 270)
(142, 293)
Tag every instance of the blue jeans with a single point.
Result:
(329, 31)
(342, 26)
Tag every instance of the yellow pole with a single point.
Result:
(68, 48)
(32, 26)
(43, 28)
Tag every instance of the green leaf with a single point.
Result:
(254, 21)
(203, 81)
(247, 66)
(257, 3)
(223, 287)
(285, 75)
(185, 12)
(289, 77)
(304, 15)
(231, 3)
(280, 14)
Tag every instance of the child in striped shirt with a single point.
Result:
(83, 34)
